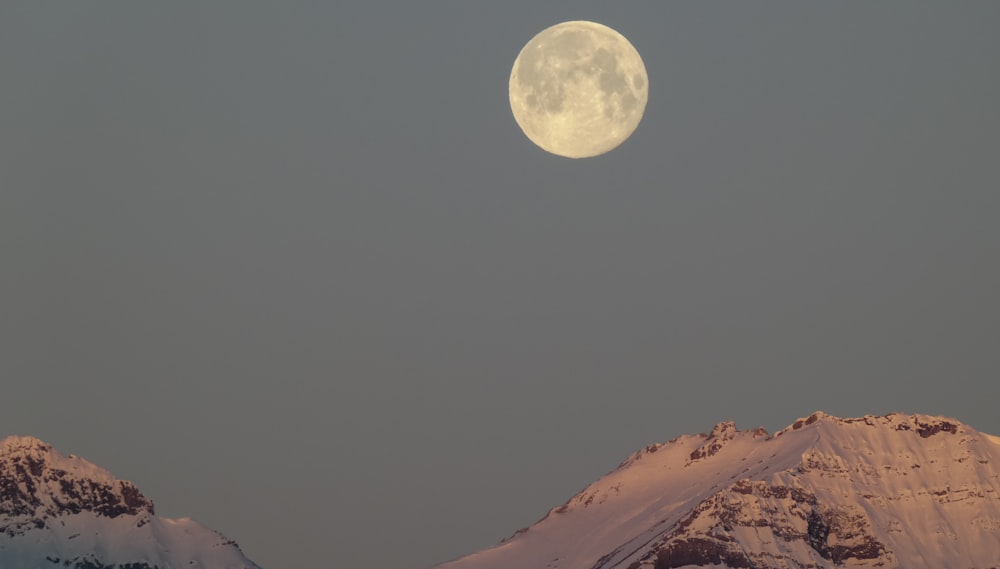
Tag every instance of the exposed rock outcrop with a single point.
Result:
(38, 484)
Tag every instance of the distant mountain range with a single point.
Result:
(906, 491)
(65, 512)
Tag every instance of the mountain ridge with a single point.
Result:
(822, 492)
(64, 511)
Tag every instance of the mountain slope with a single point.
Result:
(58, 511)
(893, 491)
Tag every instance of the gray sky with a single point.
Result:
(293, 269)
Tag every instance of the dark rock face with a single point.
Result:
(700, 551)
(927, 430)
(706, 536)
(103, 499)
(78, 563)
(844, 526)
(34, 487)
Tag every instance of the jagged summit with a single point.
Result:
(64, 511)
(16, 442)
(37, 484)
(25, 446)
(899, 490)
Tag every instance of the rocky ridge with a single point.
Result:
(38, 484)
(59, 511)
(891, 491)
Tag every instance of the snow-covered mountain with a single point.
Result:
(908, 491)
(58, 511)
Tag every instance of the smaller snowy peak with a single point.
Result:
(38, 484)
(67, 512)
(720, 436)
(806, 421)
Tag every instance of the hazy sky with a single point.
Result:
(293, 269)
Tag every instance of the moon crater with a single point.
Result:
(578, 89)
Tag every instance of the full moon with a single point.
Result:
(578, 89)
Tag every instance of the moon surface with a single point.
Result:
(578, 89)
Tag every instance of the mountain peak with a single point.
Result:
(897, 490)
(37, 484)
(18, 443)
(76, 514)
(722, 429)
